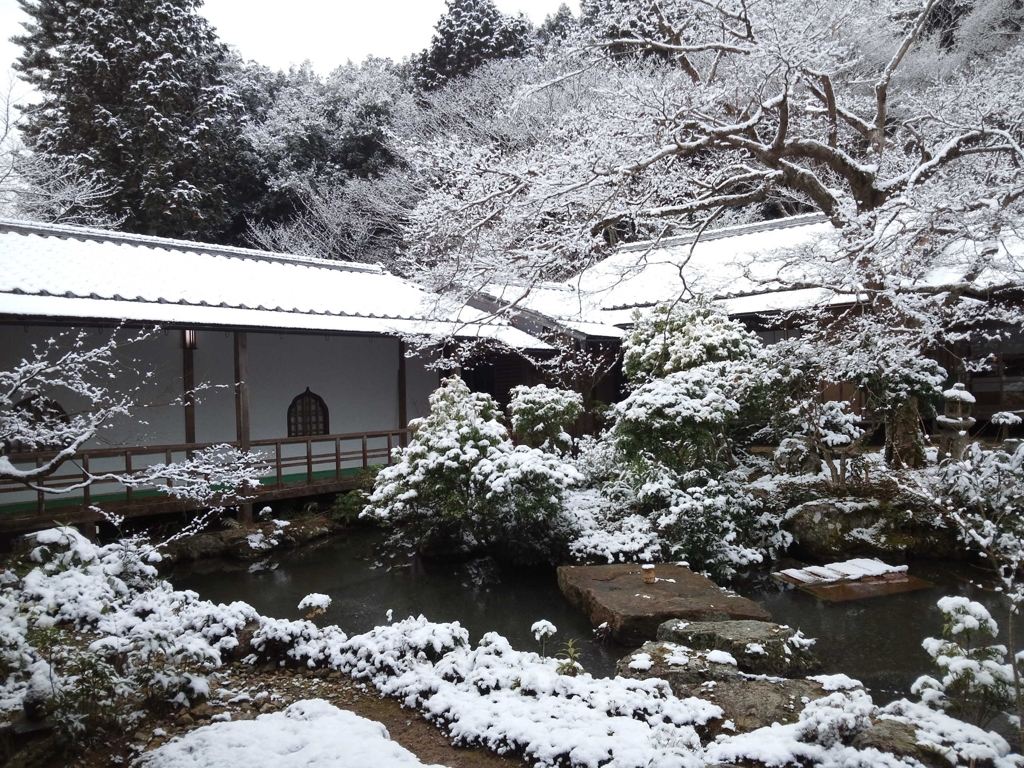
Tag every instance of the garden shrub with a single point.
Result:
(540, 416)
(461, 485)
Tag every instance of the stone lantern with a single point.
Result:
(956, 422)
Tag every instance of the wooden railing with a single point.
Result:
(294, 466)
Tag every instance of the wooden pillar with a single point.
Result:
(403, 413)
(188, 378)
(242, 406)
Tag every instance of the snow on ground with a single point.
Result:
(489, 695)
(308, 734)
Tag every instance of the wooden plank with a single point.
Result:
(277, 461)
(403, 414)
(337, 458)
(242, 390)
(188, 378)
(128, 471)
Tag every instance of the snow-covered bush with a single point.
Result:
(983, 493)
(832, 433)
(694, 375)
(680, 420)
(976, 684)
(540, 415)
(678, 336)
(462, 484)
(95, 639)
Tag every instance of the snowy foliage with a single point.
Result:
(977, 684)
(469, 33)
(540, 416)
(133, 98)
(983, 494)
(462, 483)
(676, 337)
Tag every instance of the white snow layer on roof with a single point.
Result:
(744, 269)
(80, 273)
(308, 734)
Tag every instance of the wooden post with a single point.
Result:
(403, 415)
(242, 407)
(128, 472)
(188, 378)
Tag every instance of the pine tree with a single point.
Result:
(133, 96)
(470, 33)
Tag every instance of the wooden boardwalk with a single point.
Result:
(295, 467)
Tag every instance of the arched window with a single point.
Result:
(307, 415)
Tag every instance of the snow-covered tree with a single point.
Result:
(132, 97)
(41, 187)
(67, 369)
(469, 33)
(977, 683)
(461, 484)
(680, 336)
(902, 130)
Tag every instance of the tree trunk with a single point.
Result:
(904, 446)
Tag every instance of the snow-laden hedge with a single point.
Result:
(461, 483)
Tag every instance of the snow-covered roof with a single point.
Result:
(747, 269)
(57, 271)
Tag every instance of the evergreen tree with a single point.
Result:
(133, 96)
(470, 33)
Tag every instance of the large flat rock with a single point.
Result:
(633, 611)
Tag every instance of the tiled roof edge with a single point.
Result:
(719, 234)
(65, 231)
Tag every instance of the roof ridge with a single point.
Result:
(65, 231)
(734, 231)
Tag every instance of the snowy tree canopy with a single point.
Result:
(469, 33)
(132, 96)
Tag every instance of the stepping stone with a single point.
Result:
(616, 595)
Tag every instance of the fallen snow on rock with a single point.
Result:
(308, 734)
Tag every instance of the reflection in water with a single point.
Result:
(478, 594)
(877, 641)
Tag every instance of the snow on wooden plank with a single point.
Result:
(852, 579)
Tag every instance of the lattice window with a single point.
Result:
(307, 415)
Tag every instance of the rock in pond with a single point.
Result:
(616, 595)
(759, 647)
(749, 702)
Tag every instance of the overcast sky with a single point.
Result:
(279, 33)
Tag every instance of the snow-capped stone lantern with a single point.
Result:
(956, 422)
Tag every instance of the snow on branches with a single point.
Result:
(91, 380)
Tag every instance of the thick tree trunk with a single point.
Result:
(904, 446)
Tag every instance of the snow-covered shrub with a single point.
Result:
(540, 415)
(98, 639)
(678, 336)
(976, 684)
(983, 494)
(462, 484)
(680, 420)
(831, 430)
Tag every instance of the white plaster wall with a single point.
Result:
(214, 370)
(420, 382)
(152, 365)
(357, 376)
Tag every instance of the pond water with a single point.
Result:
(877, 640)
